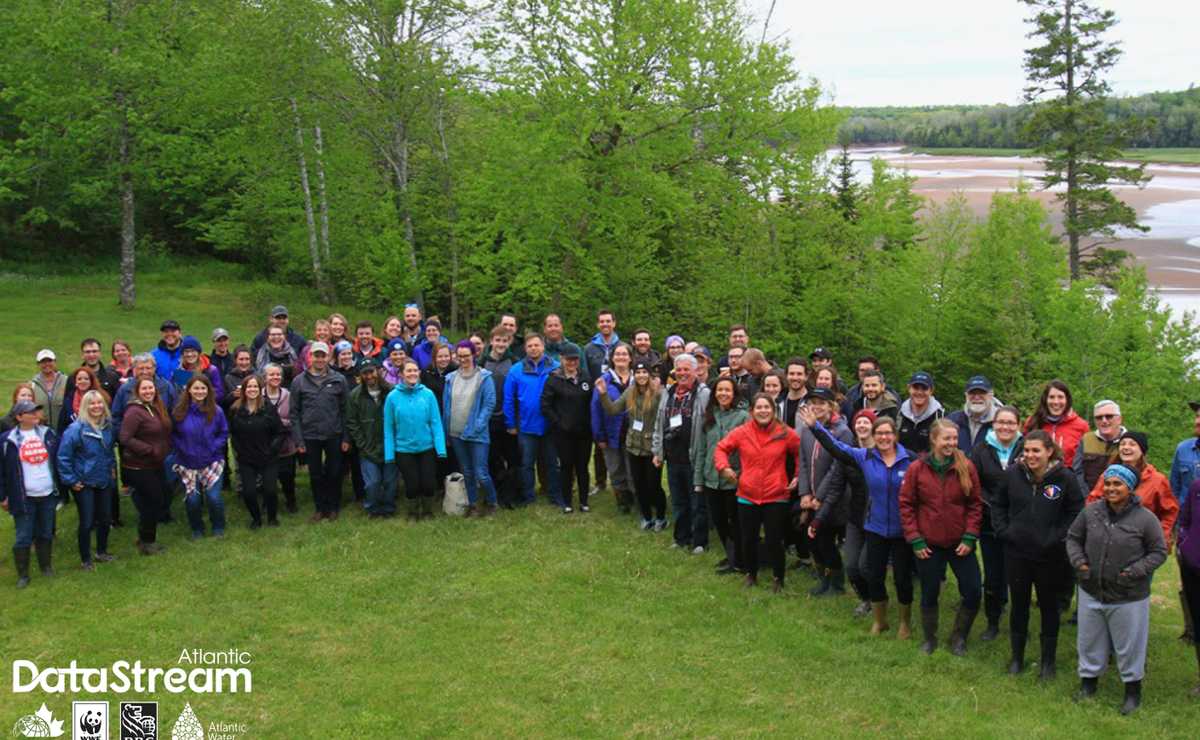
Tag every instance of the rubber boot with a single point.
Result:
(1133, 697)
(21, 558)
(962, 630)
(904, 632)
(929, 628)
(994, 610)
(1016, 663)
(822, 587)
(879, 612)
(1049, 664)
(837, 583)
(44, 550)
(1189, 634)
(1087, 688)
(414, 509)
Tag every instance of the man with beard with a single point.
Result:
(875, 396)
(279, 318)
(797, 389)
(645, 353)
(975, 419)
(413, 330)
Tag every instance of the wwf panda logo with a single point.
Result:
(584, 385)
(1052, 493)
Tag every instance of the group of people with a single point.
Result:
(857, 480)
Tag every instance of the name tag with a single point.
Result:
(676, 421)
(638, 425)
(603, 368)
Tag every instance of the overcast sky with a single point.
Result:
(921, 52)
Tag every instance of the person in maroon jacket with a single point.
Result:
(941, 511)
(145, 441)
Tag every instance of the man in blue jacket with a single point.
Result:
(1185, 468)
(169, 350)
(523, 417)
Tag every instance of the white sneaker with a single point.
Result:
(567, 509)
(647, 525)
(594, 491)
(698, 551)
(584, 509)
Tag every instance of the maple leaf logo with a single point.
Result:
(55, 725)
(41, 724)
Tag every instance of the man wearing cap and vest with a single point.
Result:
(279, 317)
(220, 357)
(49, 386)
(918, 413)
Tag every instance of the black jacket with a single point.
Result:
(992, 476)
(233, 380)
(296, 340)
(1032, 518)
(435, 380)
(110, 381)
(258, 437)
(567, 404)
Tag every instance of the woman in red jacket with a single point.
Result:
(1153, 489)
(1056, 417)
(763, 445)
(941, 511)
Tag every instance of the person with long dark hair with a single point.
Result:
(1031, 516)
(1056, 416)
(87, 464)
(607, 431)
(257, 433)
(413, 439)
(941, 511)
(721, 416)
(1000, 448)
(198, 436)
(145, 442)
(640, 401)
(280, 398)
(883, 468)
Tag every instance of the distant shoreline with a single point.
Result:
(1184, 156)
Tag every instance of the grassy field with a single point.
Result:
(529, 624)
(1159, 156)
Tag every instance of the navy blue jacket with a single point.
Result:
(86, 455)
(12, 476)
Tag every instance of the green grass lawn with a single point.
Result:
(526, 624)
(1161, 156)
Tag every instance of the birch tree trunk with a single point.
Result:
(323, 202)
(400, 171)
(313, 250)
(452, 215)
(128, 290)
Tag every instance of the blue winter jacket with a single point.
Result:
(1185, 467)
(166, 360)
(12, 475)
(412, 422)
(423, 352)
(883, 484)
(86, 455)
(476, 429)
(180, 377)
(198, 442)
(607, 428)
(523, 395)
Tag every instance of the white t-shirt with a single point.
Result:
(35, 463)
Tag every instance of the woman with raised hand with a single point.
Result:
(413, 439)
(763, 445)
(1000, 448)
(1153, 490)
(280, 399)
(1031, 515)
(607, 430)
(145, 438)
(883, 467)
(1115, 545)
(199, 435)
(87, 464)
(640, 401)
(257, 433)
(941, 510)
(1056, 417)
(721, 416)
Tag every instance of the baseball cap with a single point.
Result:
(220, 333)
(641, 366)
(978, 383)
(321, 347)
(24, 407)
(823, 394)
(279, 310)
(921, 378)
(702, 350)
(821, 352)
(369, 363)
(46, 354)
(570, 349)
(169, 324)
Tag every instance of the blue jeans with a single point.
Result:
(688, 507)
(37, 524)
(379, 482)
(933, 569)
(216, 509)
(94, 510)
(473, 459)
(533, 448)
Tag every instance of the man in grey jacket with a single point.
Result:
(1115, 545)
(318, 398)
(680, 416)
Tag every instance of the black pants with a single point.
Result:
(574, 454)
(324, 460)
(351, 468)
(148, 498)
(1049, 578)
(287, 479)
(1189, 578)
(879, 549)
(773, 518)
(259, 480)
(419, 471)
(723, 511)
(824, 546)
(601, 468)
(647, 483)
(504, 463)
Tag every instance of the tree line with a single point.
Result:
(1174, 122)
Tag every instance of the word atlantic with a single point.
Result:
(122, 677)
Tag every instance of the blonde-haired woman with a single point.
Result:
(941, 511)
(88, 466)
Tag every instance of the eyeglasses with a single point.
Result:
(1105, 417)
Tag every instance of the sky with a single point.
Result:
(927, 52)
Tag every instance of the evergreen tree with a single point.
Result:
(845, 190)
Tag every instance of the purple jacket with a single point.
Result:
(607, 428)
(199, 443)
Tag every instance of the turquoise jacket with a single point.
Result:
(412, 422)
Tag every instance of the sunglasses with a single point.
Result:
(1105, 417)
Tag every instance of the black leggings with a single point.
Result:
(149, 498)
(287, 479)
(878, 551)
(825, 548)
(647, 483)
(1049, 578)
(574, 454)
(256, 478)
(723, 510)
(773, 518)
(419, 470)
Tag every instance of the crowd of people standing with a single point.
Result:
(856, 480)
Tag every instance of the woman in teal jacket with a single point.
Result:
(721, 416)
(87, 465)
(413, 438)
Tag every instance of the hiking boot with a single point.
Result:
(991, 632)
(21, 558)
(44, 549)
(822, 587)
(1016, 663)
